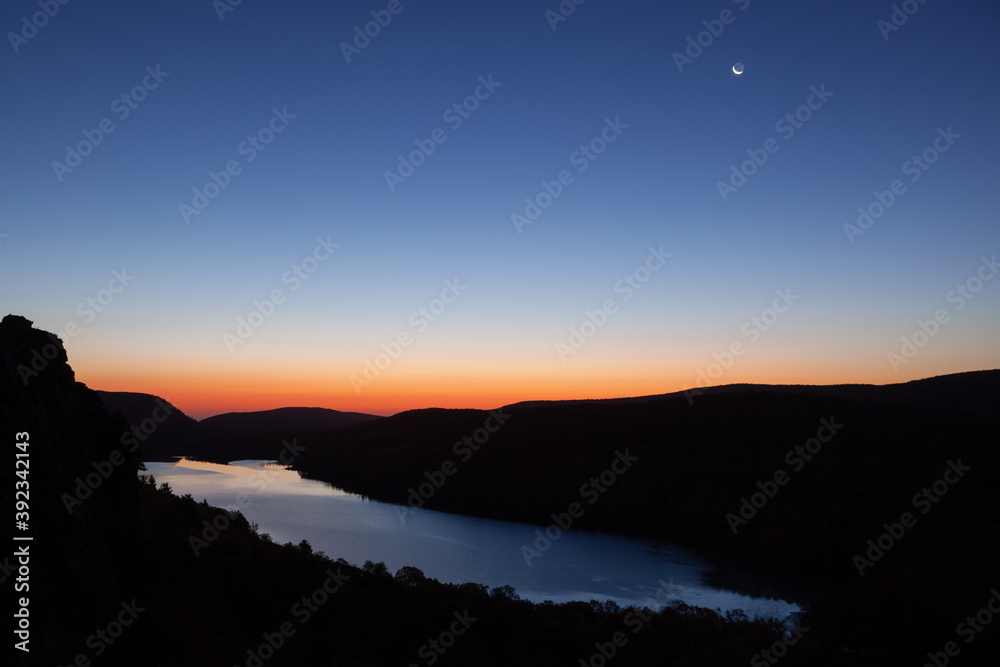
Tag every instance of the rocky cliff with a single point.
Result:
(82, 486)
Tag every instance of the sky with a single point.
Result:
(379, 206)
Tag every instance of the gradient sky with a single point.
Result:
(323, 176)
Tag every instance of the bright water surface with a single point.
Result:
(454, 548)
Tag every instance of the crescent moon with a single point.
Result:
(738, 69)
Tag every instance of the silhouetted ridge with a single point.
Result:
(160, 427)
(165, 431)
(698, 461)
(283, 419)
(83, 561)
(973, 391)
(127, 546)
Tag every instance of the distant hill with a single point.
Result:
(162, 426)
(165, 431)
(260, 434)
(284, 419)
(972, 391)
(873, 450)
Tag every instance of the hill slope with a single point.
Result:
(284, 419)
(159, 426)
(816, 476)
(122, 578)
(971, 391)
(164, 431)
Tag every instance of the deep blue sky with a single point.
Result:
(656, 185)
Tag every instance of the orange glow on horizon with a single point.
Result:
(204, 396)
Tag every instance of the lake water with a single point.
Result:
(454, 548)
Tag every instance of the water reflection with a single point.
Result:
(454, 548)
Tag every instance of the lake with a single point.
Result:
(454, 548)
